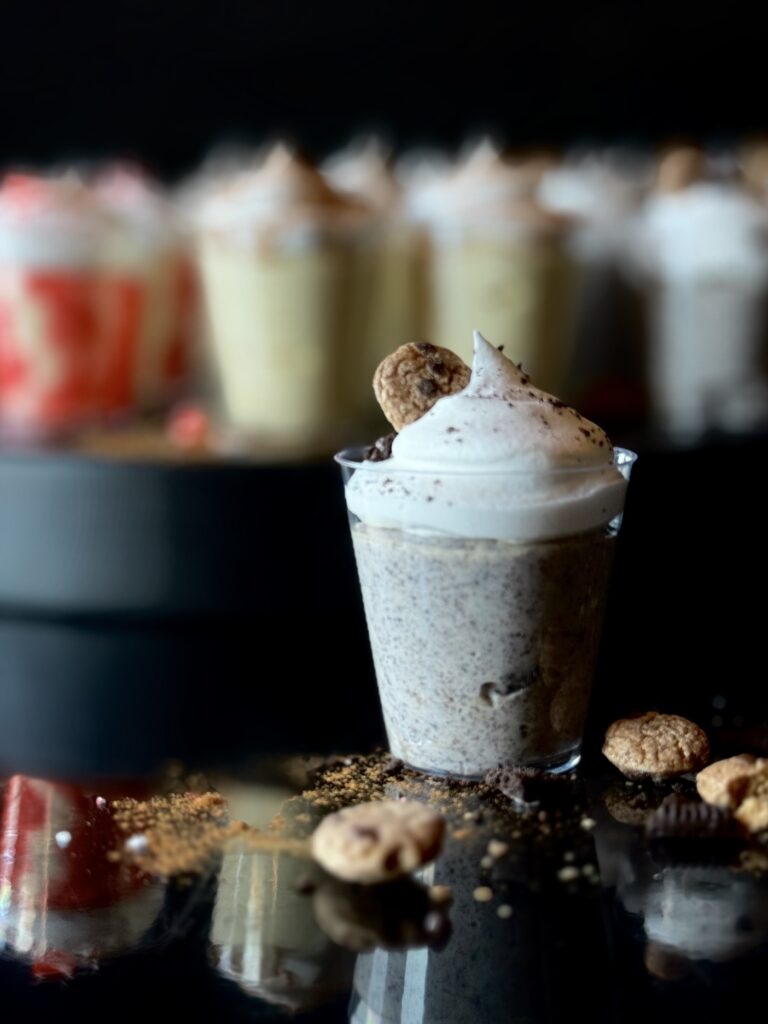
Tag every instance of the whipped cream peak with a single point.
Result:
(502, 422)
(500, 459)
(50, 221)
(283, 195)
(707, 230)
(139, 204)
(364, 169)
(30, 196)
(486, 193)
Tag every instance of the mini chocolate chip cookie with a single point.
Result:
(378, 841)
(410, 380)
(724, 783)
(656, 746)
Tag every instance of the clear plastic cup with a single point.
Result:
(485, 649)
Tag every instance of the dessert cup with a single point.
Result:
(363, 171)
(285, 269)
(151, 243)
(704, 250)
(484, 547)
(495, 256)
(484, 649)
(69, 310)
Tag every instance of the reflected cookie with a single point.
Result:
(378, 841)
(753, 813)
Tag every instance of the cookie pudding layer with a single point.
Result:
(500, 459)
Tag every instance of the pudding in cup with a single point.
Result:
(484, 546)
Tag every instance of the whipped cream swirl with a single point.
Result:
(499, 460)
(283, 199)
(51, 222)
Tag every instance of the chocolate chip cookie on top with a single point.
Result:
(413, 377)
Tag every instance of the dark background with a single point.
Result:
(162, 80)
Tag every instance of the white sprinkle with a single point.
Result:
(588, 869)
(587, 824)
(569, 856)
(483, 894)
(504, 910)
(137, 844)
(101, 803)
(568, 874)
(497, 848)
(486, 862)
(63, 839)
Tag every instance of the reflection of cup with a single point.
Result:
(63, 903)
(485, 649)
(264, 935)
(533, 963)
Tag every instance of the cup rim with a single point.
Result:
(352, 458)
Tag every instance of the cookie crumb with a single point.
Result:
(497, 848)
(441, 894)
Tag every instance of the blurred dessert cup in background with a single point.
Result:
(64, 903)
(150, 242)
(285, 270)
(70, 308)
(703, 251)
(497, 257)
(364, 170)
(601, 191)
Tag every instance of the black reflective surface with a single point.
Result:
(600, 926)
(581, 917)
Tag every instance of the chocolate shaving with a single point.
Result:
(380, 450)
